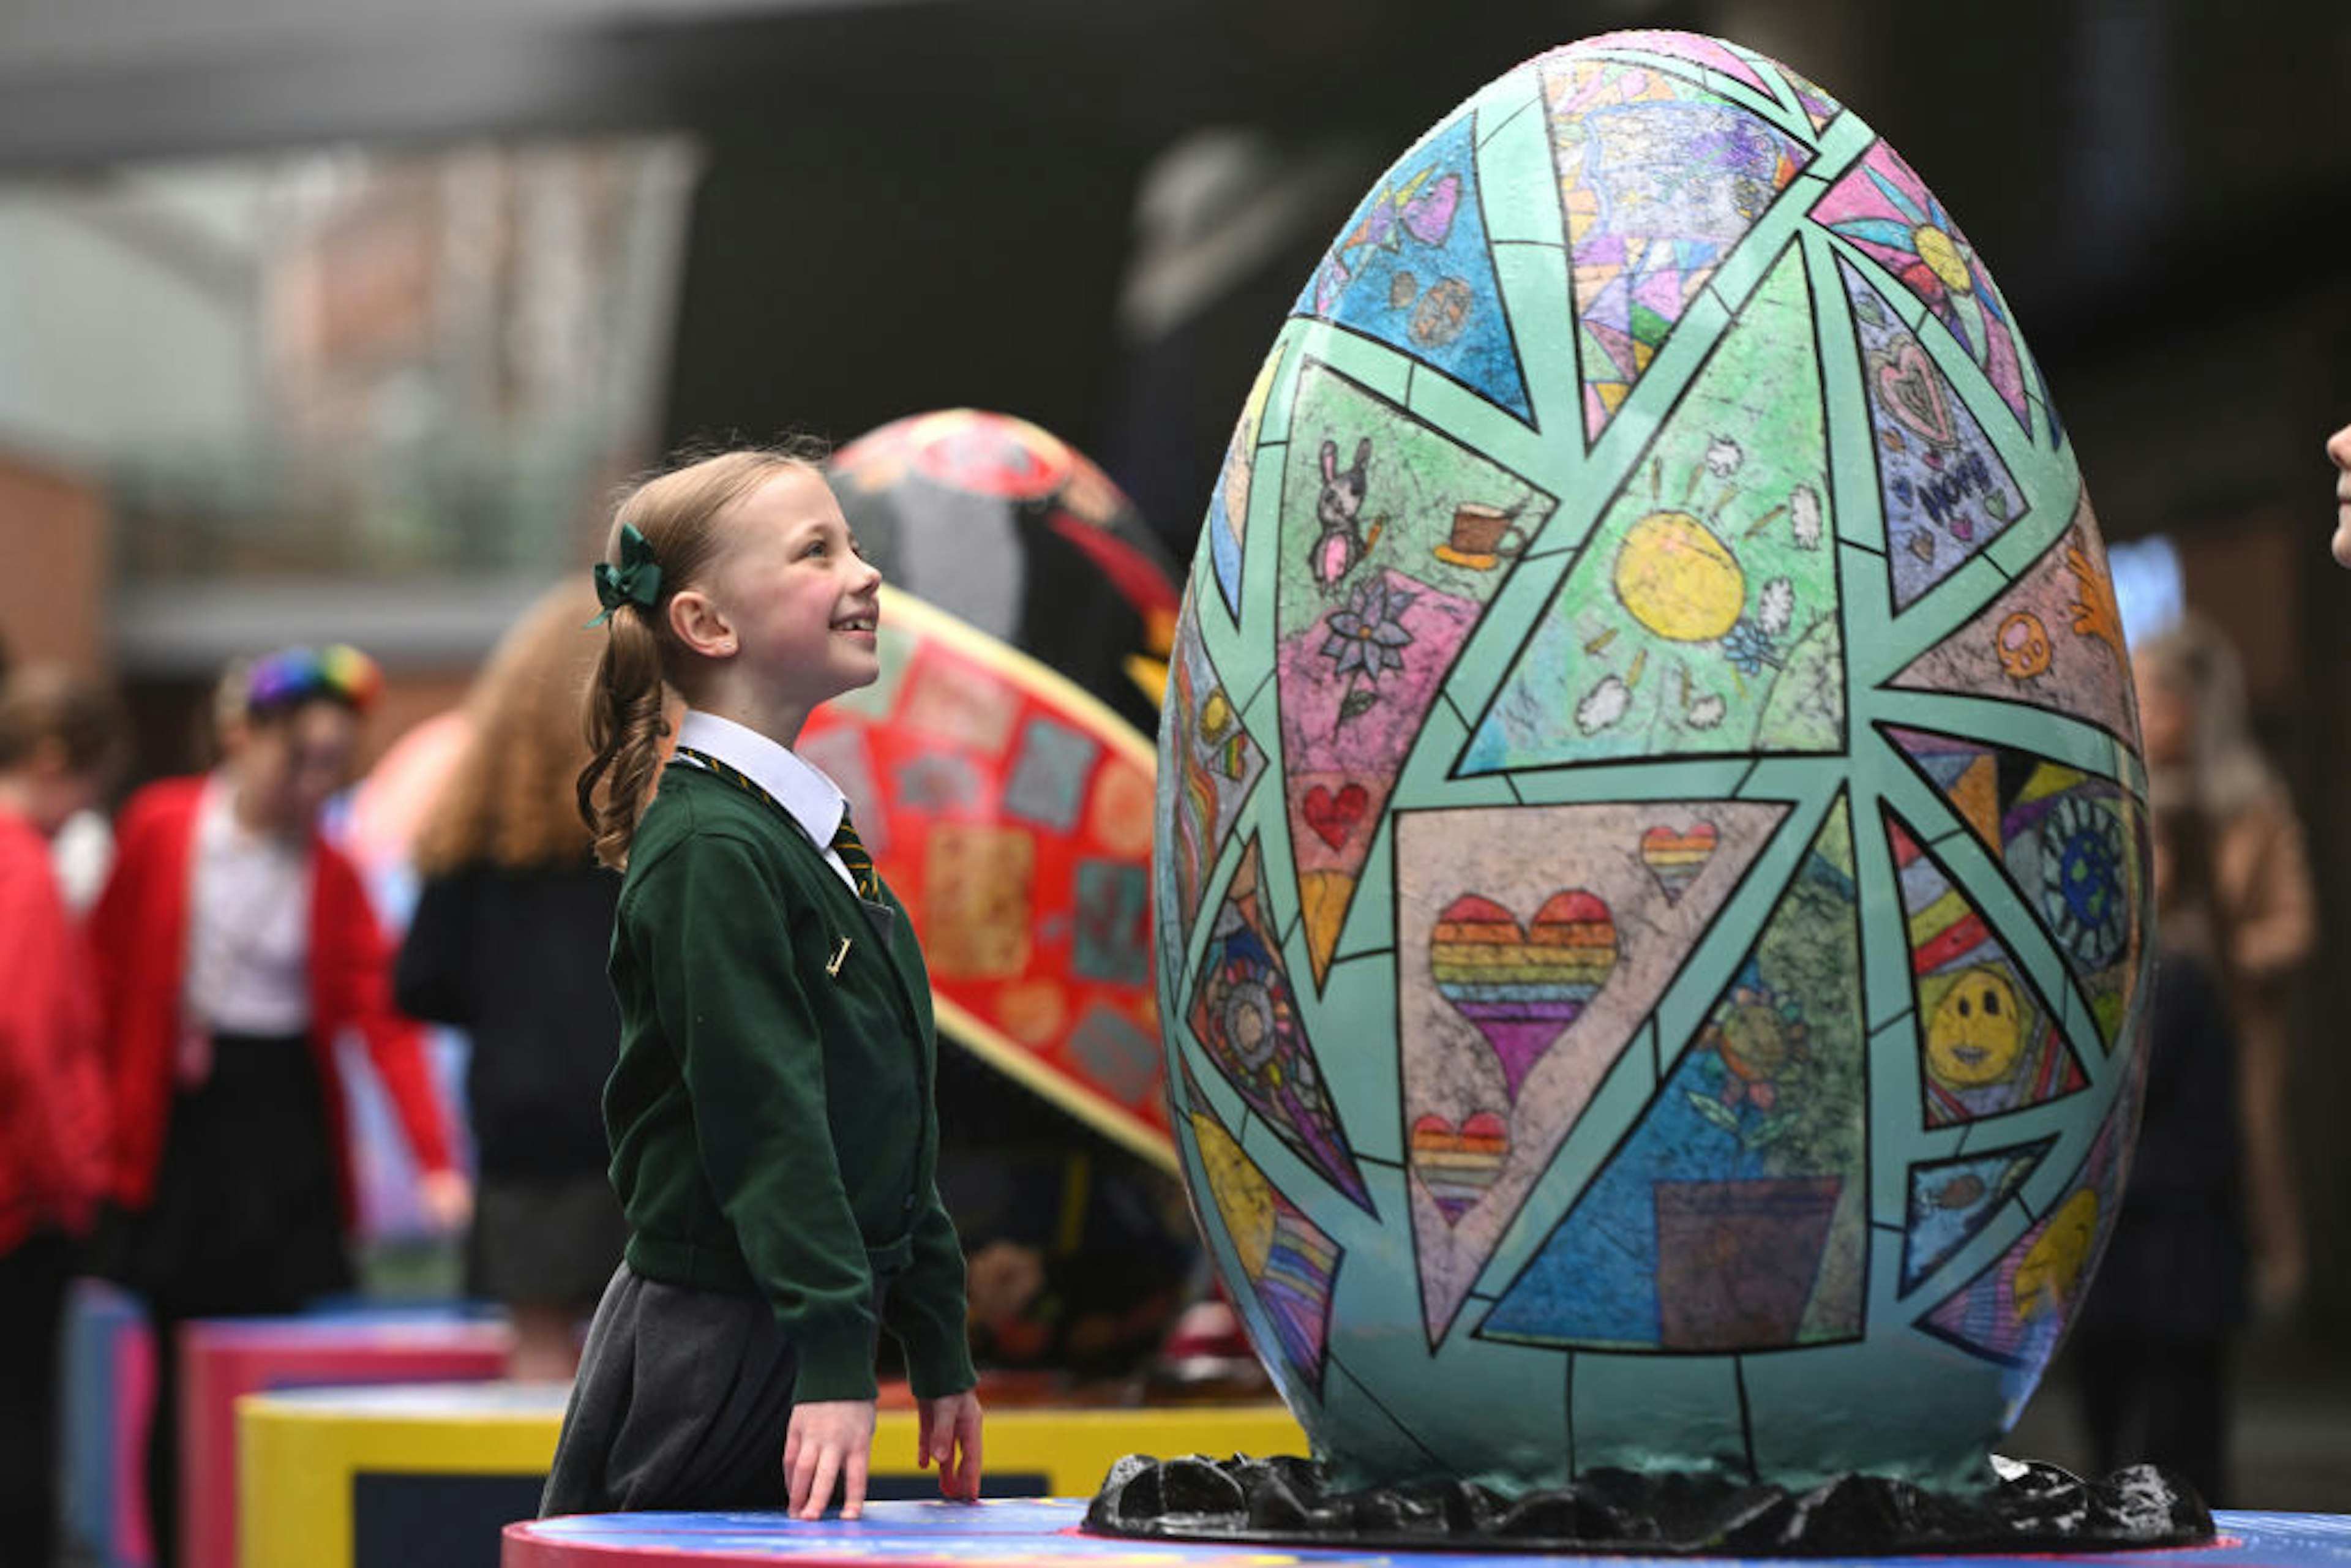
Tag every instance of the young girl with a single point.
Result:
(60, 736)
(234, 945)
(513, 906)
(771, 1115)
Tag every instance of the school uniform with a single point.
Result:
(229, 963)
(774, 1143)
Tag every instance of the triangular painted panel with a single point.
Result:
(1659, 179)
(1988, 1044)
(2016, 1311)
(1244, 1013)
(1701, 619)
(1412, 268)
(1952, 1200)
(1369, 617)
(1289, 1263)
(1882, 208)
(1734, 1215)
(1532, 943)
(2073, 843)
(2053, 640)
(1945, 490)
(1217, 765)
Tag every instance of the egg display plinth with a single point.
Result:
(2033, 1509)
(1651, 903)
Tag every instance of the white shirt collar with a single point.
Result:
(798, 785)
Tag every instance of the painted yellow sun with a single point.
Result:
(1678, 579)
(1943, 257)
(2050, 1271)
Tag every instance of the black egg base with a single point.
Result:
(1288, 1500)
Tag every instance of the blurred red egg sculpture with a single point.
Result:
(1002, 766)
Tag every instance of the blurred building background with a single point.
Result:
(339, 318)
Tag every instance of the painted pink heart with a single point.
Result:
(1913, 390)
(1334, 816)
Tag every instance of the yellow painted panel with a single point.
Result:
(299, 1451)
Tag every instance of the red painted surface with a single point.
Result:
(223, 1358)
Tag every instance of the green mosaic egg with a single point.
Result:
(1652, 905)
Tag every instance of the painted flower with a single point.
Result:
(1778, 608)
(1365, 635)
(1749, 647)
(1758, 1037)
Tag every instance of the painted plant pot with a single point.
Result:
(1652, 903)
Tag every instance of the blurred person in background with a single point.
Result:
(2258, 925)
(61, 737)
(233, 946)
(2149, 1350)
(509, 942)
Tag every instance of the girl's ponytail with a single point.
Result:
(626, 728)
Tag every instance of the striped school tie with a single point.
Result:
(845, 841)
(851, 850)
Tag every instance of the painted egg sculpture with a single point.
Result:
(1005, 526)
(1651, 895)
(995, 769)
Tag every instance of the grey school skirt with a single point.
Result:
(683, 1401)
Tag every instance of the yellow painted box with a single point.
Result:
(395, 1476)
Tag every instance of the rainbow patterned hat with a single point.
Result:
(337, 671)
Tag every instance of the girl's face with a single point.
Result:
(803, 604)
(288, 764)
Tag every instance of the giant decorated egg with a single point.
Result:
(1651, 910)
(997, 769)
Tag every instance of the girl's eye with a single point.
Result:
(815, 547)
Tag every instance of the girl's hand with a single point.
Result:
(829, 1440)
(948, 1431)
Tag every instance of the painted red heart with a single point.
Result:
(1334, 816)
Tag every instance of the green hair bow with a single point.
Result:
(636, 581)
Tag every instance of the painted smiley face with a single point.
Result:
(1977, 1032)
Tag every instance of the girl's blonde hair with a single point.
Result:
(679, 513)
(509, 801)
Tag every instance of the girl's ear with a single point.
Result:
(697, 621)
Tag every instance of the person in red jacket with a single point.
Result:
(59, 738)
(235, 946)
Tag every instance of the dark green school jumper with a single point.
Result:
(774, 1138)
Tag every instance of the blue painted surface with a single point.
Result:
(1046, 1531)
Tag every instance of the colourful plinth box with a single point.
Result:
(108, 1383)
(390, 1477)
(223, 1358)
(949, 1535)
